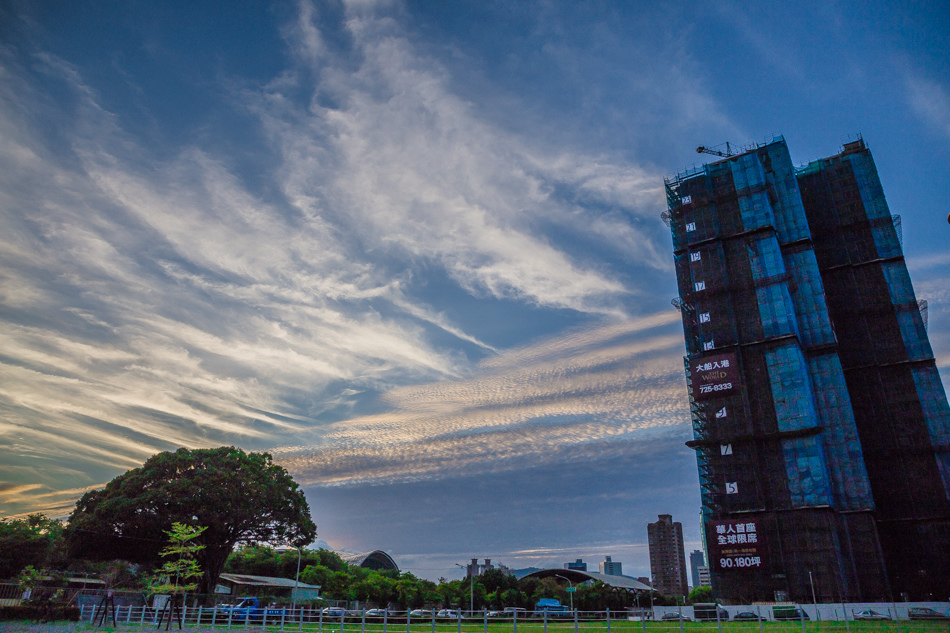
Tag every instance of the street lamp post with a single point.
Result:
(471, 590)
(293, 597)
(569, 592)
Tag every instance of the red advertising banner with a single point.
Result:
(735, 544)
(714, 376)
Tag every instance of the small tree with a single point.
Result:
(174, 576)
(702, 593)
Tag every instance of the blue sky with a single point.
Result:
(412, 248)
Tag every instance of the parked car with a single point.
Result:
(334, 612)
(926, 613)
(420, 613)
(746, 616)
(789, 613)
(378, 613)
(707, 611)
(675, 616)
(551, 607)
(251, 608)
(454, 614)
(870, 614)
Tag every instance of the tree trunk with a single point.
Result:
(213, 558)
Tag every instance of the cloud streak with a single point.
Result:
(150, 303)
(581, 397)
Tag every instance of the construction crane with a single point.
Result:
(702, 149)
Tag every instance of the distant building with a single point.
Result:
(611, 568)
(696, 560)
(646, 581)
(578, 564)
(377, 560)
(474, 569)
(667, 558)
(703, 575)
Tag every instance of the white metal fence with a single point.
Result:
(660, 620)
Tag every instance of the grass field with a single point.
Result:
(554, 626)
(619, 626)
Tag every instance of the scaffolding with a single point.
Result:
(784, 448)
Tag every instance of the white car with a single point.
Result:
(377, 613)
(449, 613)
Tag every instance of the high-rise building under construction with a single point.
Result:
(822, 430)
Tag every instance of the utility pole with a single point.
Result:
(814, 601)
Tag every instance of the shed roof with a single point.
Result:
(264, 581)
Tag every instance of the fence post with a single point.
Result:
(846, 625)
(802, 618)
(320, 620)
(459, 621)
(343, 618)
(142, 619)
(408, 618)
(643, 621)
(608, 620)
(230, 615)
(433, 621)
(247, 616)
(680, 618)
(575, 621)
(485, 618)
(514, 621)
(214, 616)
(758, 612)
(545, 621)
(363, 622)
(718, 618)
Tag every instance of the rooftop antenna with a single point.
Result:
(702, 149)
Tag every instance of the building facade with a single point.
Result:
(578, 564)
(696, 560)
(822, 430)
(702, 575)
(611, 568)
(474, 569)
(667, 557)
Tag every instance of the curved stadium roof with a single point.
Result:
(577, 576)
(377, 559)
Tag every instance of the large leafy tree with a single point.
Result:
(237, 497)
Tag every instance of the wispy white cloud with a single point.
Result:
(930, 101)
(586, 395)
(155, 302)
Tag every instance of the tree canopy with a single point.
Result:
(236, 496)
(34, 541)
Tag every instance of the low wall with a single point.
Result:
(825, 612)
